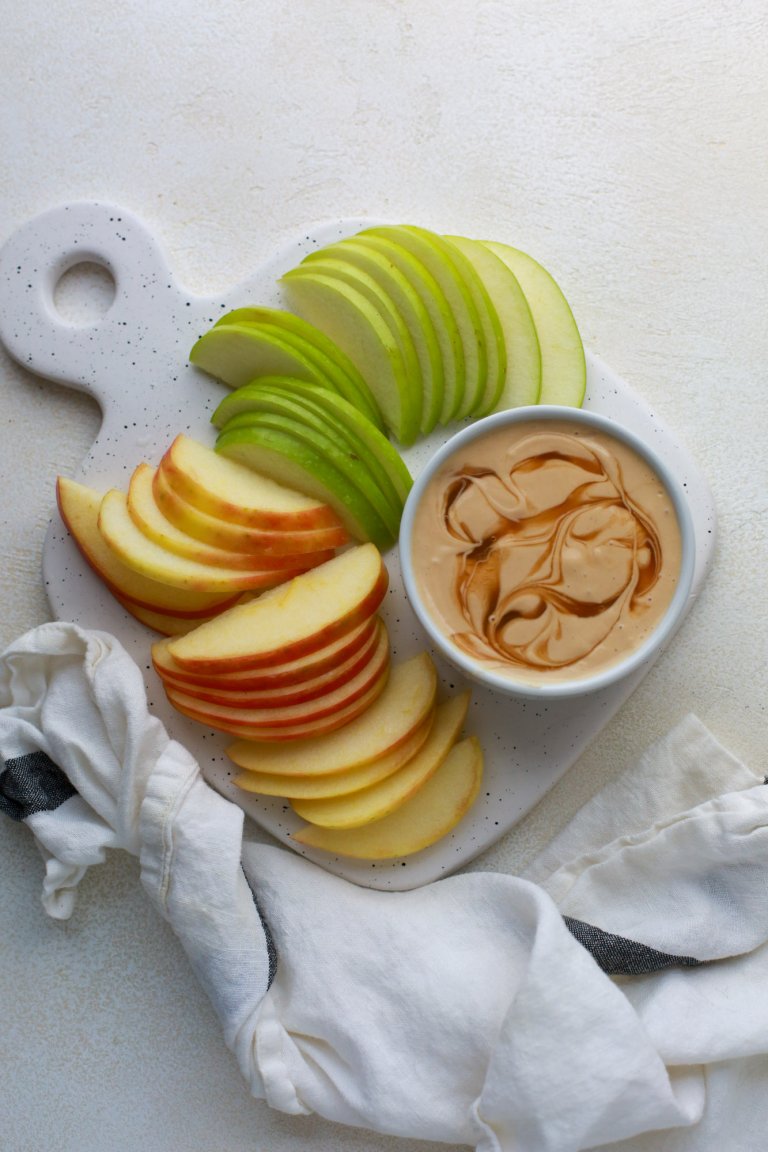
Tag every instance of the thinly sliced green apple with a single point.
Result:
(355, 809)
(439, 310)
(351, 321)
(522, 383)
(79, 507)
(337, 783)
(404, 705)
(136, 550)
(431, 813)
(299, 617)
(335, 408)
(356, 391)
(293, 462)
(240, 537)
(438, 258)
(376, 269)
(238, 494)
(563, 365)
(269, 396)
(238, 353)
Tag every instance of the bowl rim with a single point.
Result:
(646, 652)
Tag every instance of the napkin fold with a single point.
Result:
(586, 1003)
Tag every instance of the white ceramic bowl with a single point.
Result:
(505, 681)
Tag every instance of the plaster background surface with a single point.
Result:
(624, 146)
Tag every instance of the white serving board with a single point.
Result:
(133, 361)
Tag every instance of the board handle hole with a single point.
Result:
(84, 293)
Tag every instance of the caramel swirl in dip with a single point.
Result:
(546, 551)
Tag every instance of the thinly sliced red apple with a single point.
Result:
(403, 706)
(79, 508)
(285, 674)
(300, 617)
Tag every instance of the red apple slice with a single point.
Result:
(278, 675)
(304, 730)
(403, 706)
(160, 621)
(435, 809)
(79, 508)
(150, 559)
(238, 537)
(151, 521)
(363, 662)
(237, 494)
(243, 713)
(299, 617)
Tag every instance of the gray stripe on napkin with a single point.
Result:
(32, 783)
(620, 956)
(269, 939)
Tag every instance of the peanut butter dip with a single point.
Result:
(547, 551)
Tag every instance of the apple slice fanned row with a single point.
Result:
(249, 535)
(442, 328)
(252, 342)
(365, 790)
(327, 447)
(297, 661)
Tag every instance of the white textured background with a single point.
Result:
(622, 144)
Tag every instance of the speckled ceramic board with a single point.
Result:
(133, 360)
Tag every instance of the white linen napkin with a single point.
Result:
(593, 1000)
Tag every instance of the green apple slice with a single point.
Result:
(293, 462)
(563, 365)
(522, 384)
(434, 300)
(368, 287)
(316, 345)
(353, 323)
(441, 261)
(237, 354)
(313, 425)
(409, 306)
(335, 409)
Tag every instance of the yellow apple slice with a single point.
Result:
(79, 508)
(240, 537)
(136, 550)
(431, 813)
(299, 617)
(337, 783)
(403, 706)
(148, 517)
(238, 494)
(563, 366)
(160, 621)
(522, 381)
(378, 800)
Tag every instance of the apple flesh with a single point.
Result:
(376, 801)
(296, 618)
(431, 813)
(405, 704)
